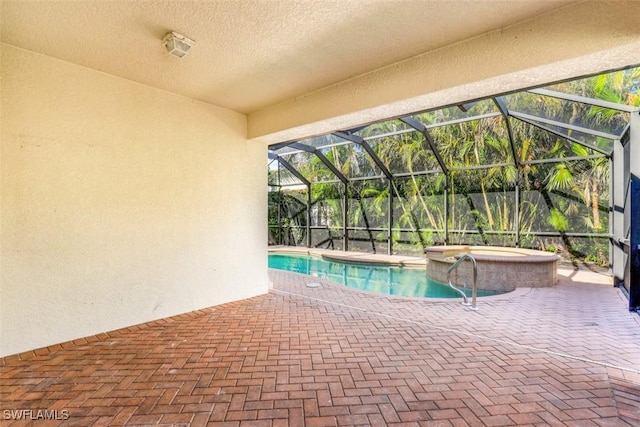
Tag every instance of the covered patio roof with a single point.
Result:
(306, 68)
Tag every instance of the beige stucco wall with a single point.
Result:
(119, 204)
(584, 38)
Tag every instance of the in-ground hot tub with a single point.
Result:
(499, 269)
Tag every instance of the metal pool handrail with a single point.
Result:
(474, 289)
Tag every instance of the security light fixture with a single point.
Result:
(177, 44)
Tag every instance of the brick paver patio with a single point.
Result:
(327, 356)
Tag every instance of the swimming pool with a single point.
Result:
(390, 280)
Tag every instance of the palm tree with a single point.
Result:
(573, 191)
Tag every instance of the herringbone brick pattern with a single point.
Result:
(567, 319)
(331, 356)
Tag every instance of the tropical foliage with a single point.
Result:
(538, 178)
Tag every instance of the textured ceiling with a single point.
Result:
(250, 54)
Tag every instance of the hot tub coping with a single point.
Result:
(501, 254)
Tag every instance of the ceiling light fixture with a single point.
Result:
(177, 44)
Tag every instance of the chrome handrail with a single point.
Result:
(474, 289)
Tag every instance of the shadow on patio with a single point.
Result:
(568, 355)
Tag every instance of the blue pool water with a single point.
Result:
(404, 281)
